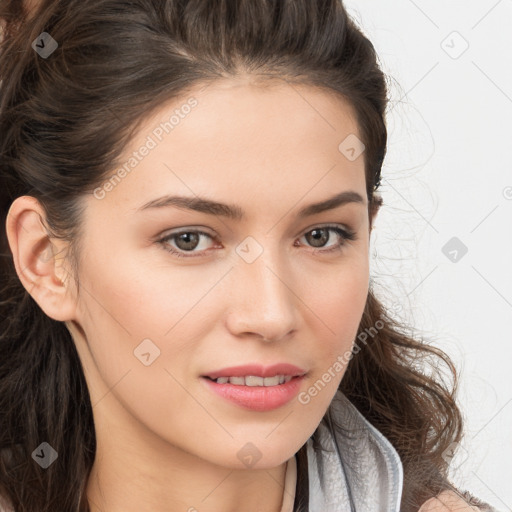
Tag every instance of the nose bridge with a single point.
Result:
(263, 301)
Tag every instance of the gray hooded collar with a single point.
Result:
(365, 469)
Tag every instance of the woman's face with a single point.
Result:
(266, 287)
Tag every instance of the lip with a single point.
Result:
(258, 371)
(256, 398)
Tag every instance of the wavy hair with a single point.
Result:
(65, 119)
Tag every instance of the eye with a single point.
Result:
(320, 235)
(187, 240)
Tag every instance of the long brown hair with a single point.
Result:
(65, 119)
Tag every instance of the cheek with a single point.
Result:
(131, 308)
(139, 297)
(338, 296)
(127, 313)
(338, 305)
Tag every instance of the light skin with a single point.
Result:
(164, 441)
(448, 501)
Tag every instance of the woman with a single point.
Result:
(188, 191)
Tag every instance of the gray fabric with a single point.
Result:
(365, 452)
(368, 467)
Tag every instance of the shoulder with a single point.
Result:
(448, 501)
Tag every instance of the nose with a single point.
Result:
(262, 304)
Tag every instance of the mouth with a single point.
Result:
(254, 392)
(254, 380)
(254, 374)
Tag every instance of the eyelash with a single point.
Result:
(345, 234)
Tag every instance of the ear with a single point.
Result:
(40, 259)
(374, 208)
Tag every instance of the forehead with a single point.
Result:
(239, 138)
(265, 112)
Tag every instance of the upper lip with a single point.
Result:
(258, 370)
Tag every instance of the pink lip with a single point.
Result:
(258, 371)
(257, 398)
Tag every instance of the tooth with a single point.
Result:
(252, 380)
(271, 381)
(239, 381)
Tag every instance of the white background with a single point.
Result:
(448, 173)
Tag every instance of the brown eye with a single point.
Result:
(319, 236)
(185, 242)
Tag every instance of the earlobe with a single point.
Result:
(38, 259)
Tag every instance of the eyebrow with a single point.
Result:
(234, 212)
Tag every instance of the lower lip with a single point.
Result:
(257, 398)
